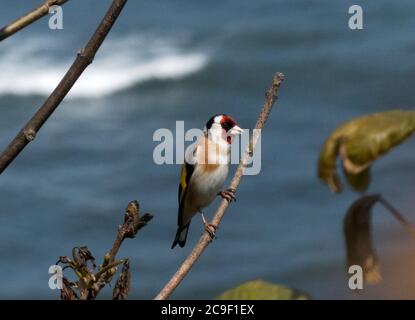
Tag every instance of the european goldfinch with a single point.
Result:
(204, 172)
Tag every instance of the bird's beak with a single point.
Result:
(236, 131)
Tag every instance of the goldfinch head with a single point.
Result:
(222, 128)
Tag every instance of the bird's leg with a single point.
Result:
(228, 194)
(209, 228)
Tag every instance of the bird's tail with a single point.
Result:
(181, 236)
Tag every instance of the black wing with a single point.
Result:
(186, 174)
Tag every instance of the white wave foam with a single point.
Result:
(28, 69)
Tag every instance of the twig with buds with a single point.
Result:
(132, 224)
(270, 97)
(90, 282)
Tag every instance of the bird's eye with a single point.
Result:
(226, 126)
(227, 123)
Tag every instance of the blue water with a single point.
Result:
(179, 60)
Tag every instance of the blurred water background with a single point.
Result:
(180, 60)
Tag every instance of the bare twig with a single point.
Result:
(84, 58)
(29, 18)
(270, 97)
(399, 216)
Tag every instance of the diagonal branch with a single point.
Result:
(270, 98)
(28, 18)
(399, 216)
(84, 58)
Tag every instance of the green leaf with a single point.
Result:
(359, 143)
(262, 290)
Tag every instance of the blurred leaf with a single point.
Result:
(359, 143)
(358, 236)
(122, 286)
(360, 181)
(262, 290)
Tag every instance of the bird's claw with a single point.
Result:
(228, 195)
(211, 230)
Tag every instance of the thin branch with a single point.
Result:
(399, 216)
(270, 98)
(29, 18)
(84, 58)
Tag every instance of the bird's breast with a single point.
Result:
(206, 182)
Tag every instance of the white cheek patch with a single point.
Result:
(219, 135)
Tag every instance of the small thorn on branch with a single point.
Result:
(83, 54)
(29, 134)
